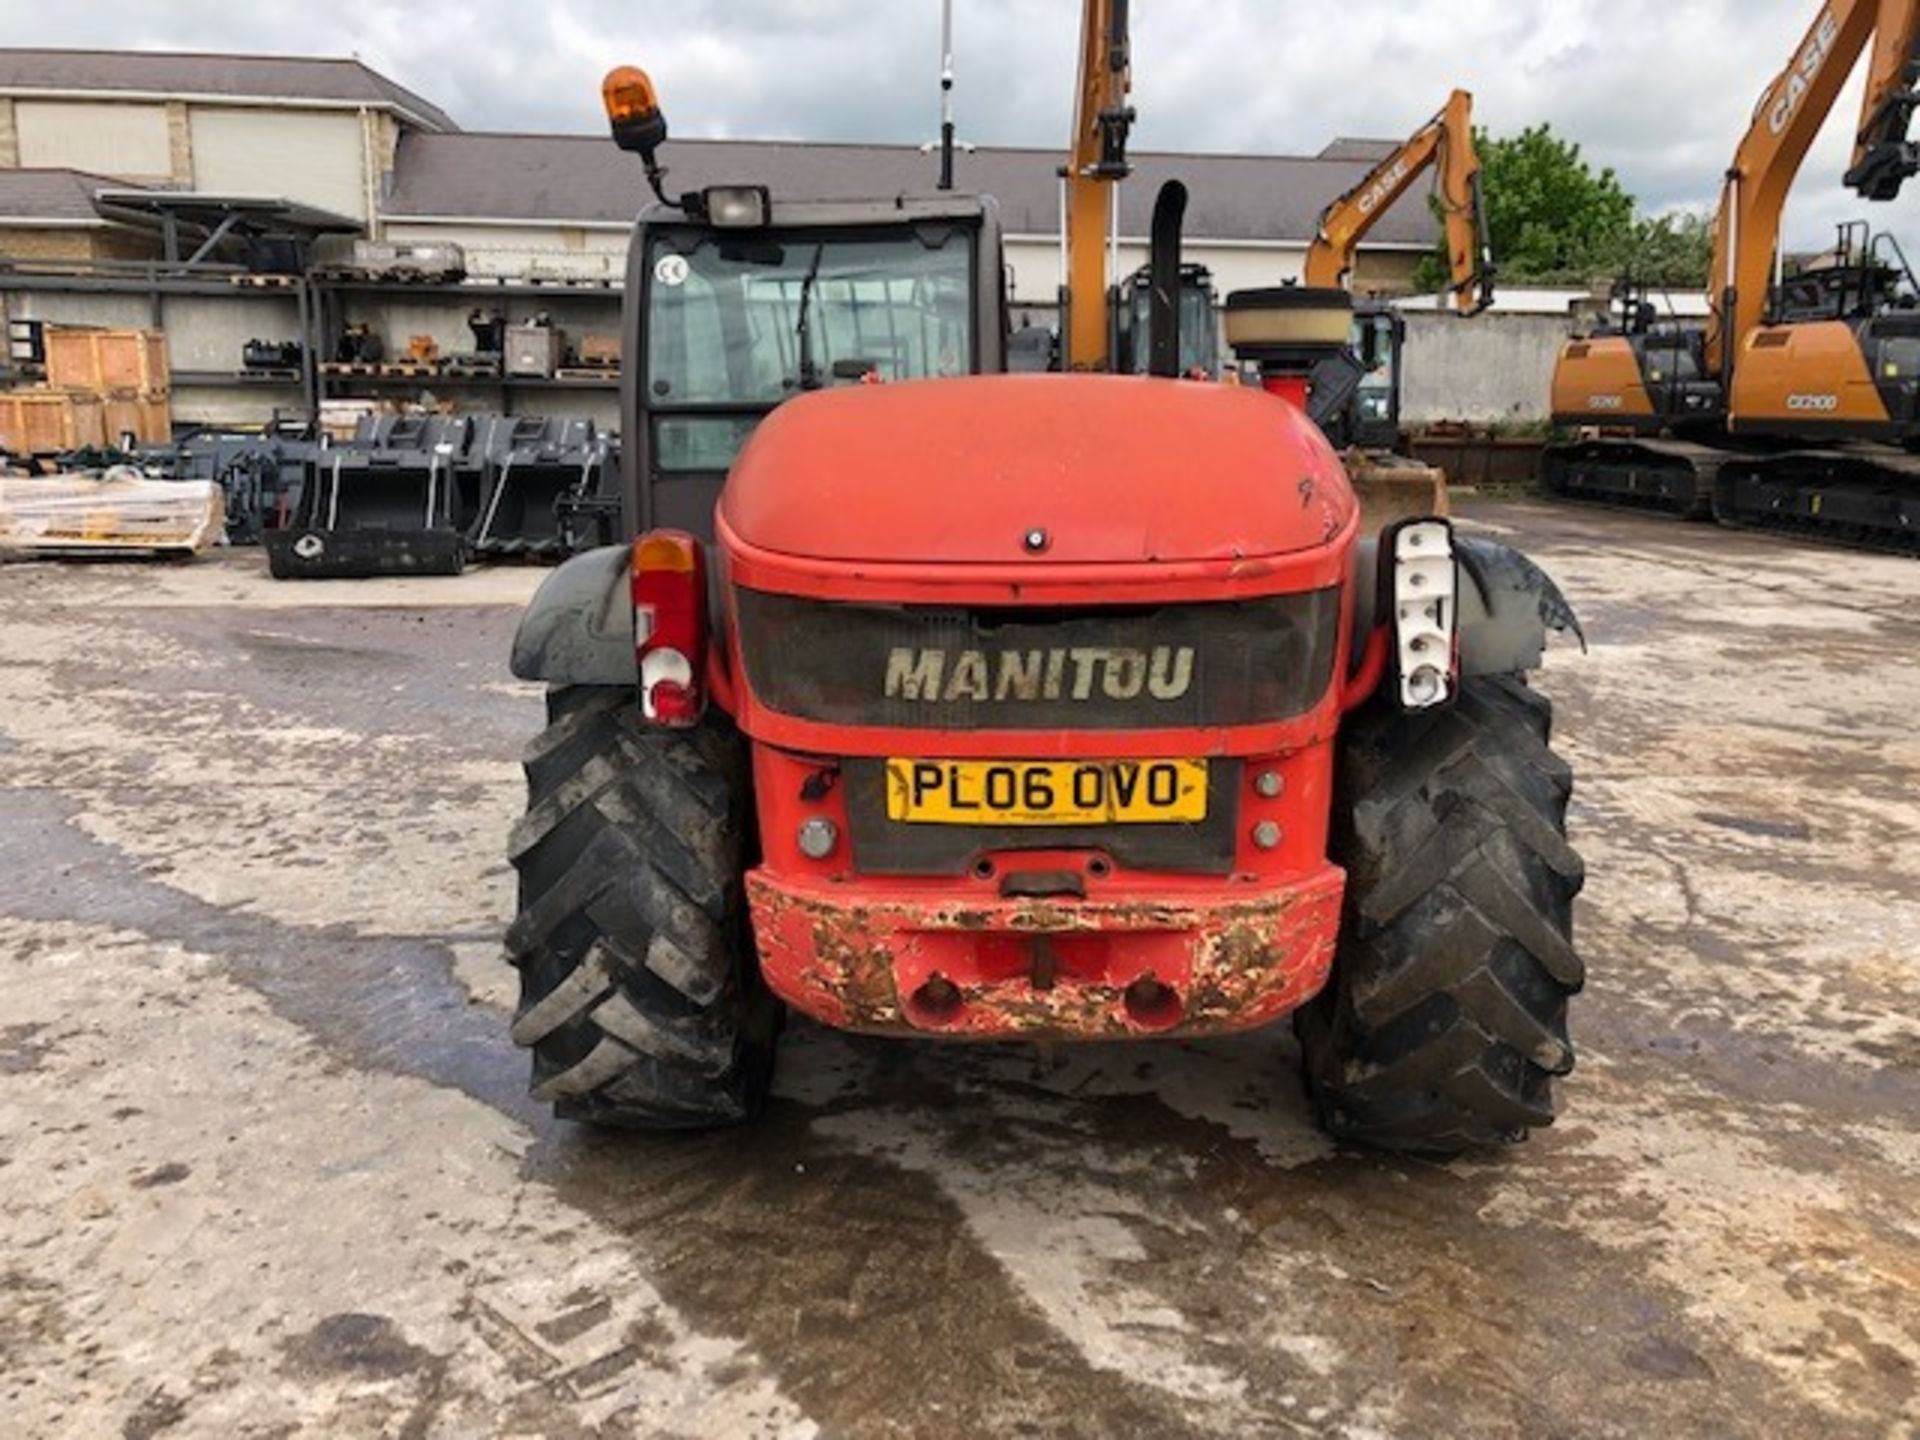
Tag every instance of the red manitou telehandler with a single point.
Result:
(932, 701)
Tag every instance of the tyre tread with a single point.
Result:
(640, 997)
(1445, 1022)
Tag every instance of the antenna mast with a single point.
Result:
(946, 94)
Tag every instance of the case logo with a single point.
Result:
(1376, 194)
(1806, 69)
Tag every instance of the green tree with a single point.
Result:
(1551, 216)
(1673, 250)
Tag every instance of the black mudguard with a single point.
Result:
(578, 629)
(1508, 606)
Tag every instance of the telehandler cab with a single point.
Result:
(931, 701)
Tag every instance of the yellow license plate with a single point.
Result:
(1046, 792)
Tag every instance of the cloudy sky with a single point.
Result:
(1658, 89)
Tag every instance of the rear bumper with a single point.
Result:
(1210, 962)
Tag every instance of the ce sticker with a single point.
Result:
(671, 271)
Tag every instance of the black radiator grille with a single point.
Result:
(1176, 666)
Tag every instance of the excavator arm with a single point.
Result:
(1096, 163)
(1789, 117)
(1444, 144)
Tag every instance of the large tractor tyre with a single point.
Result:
(640, 995)
(1445, 1021)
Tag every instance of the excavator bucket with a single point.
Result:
(1395, 487)
(540, 473)
(387, 504)
(260, 475)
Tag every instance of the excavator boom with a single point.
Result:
(1097, 162)
(1444, 144)
(1789, 117)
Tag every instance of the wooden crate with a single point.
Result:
(104, 360)
(599, 350)
(145, 415)
(49, 422)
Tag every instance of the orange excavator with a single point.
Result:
(1096, 164)
(1367, 426)
(1107, 325)
(1445, 146)
(1797, 405)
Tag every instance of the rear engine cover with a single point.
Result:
(1069, 469)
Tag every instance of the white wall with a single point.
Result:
(315, 157)
(1561, 302)
(124, 141)
(113, 312)
(1482, 371)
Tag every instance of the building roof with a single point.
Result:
(476, 176)
(1349, 147)
(183, 73)
(52, 195)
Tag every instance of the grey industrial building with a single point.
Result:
(96, 147)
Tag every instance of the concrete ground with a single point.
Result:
(267, 1164)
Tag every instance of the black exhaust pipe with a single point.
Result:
(1163, 271)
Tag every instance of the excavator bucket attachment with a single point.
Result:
(543, 477)
(1395, 487)
(260, 475)
(387, 504)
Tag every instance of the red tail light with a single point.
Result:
(670, 626)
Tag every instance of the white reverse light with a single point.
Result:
(1425, 613)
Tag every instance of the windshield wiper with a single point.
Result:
(803, 332)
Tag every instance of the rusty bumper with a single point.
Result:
(1211, 963)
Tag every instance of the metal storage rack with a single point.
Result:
(327, 318)
(319, 304)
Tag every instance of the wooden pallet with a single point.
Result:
(264, 282)
(342, 367)
(454, 371)
(410, 370)
(587, 372)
